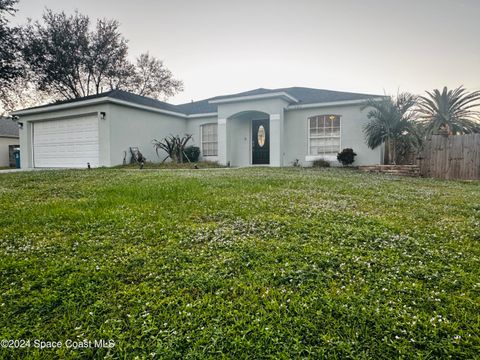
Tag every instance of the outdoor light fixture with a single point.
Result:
(102, 115)
(20, 125)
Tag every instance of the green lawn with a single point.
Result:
(240, 263)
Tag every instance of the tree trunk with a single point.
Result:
(173, 156)
(389, 151)
(394, 152)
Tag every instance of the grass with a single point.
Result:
(240, 263)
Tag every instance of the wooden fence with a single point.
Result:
(451, 157)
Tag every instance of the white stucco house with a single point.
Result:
(270, 127)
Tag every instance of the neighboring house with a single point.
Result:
(8, 136)
(258, 127)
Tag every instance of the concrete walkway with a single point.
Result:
(6, 171)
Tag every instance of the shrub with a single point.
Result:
(174, 146)
(346, 156)
(191, 153)
(321, 163)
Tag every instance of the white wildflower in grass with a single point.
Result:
(213, 257)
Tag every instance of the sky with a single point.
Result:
(220, 47)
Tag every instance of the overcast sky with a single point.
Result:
(221, 46)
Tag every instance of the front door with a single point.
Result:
(261, 141)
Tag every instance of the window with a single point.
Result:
(324, 134)
(209, 139)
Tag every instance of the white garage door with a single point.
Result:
(69, 143)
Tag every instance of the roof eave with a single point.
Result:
(200, 115)
(327, 104)
(56, 107)
(96, 101)
(9, 136)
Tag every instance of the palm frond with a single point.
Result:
(390, 119)
(451, 109)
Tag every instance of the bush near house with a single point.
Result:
(346, 156)
(191, 154)
(321, 163)
(240, 263)
(173, 145)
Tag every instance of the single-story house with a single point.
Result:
(8, 137)
(270, 127)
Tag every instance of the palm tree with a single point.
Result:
(450, 110)
(391, 122)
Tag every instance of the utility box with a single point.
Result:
(16, 155)
(11, 155)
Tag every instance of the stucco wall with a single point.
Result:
(351, 134)
(4, 154)
(240, 139)
(131, 127)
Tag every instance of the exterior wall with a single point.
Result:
(234, 134)
(131, 127)
(4, 154)
(241, 138)
(26, 133)
(352, 120)
(193, 128)
(124, 127)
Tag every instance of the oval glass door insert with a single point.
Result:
(261, 136)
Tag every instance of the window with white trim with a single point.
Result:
(209, 139)
(324, 134)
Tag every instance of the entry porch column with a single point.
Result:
(223, 142)
(276, 140)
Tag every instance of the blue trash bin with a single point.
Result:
(16, 155)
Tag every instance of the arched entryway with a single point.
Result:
(249, 138)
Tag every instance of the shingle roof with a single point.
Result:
(302, 94)
(8, 127)
(142, 100)
(312, 96)
(198, 107)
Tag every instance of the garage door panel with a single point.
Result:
(66, 143)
